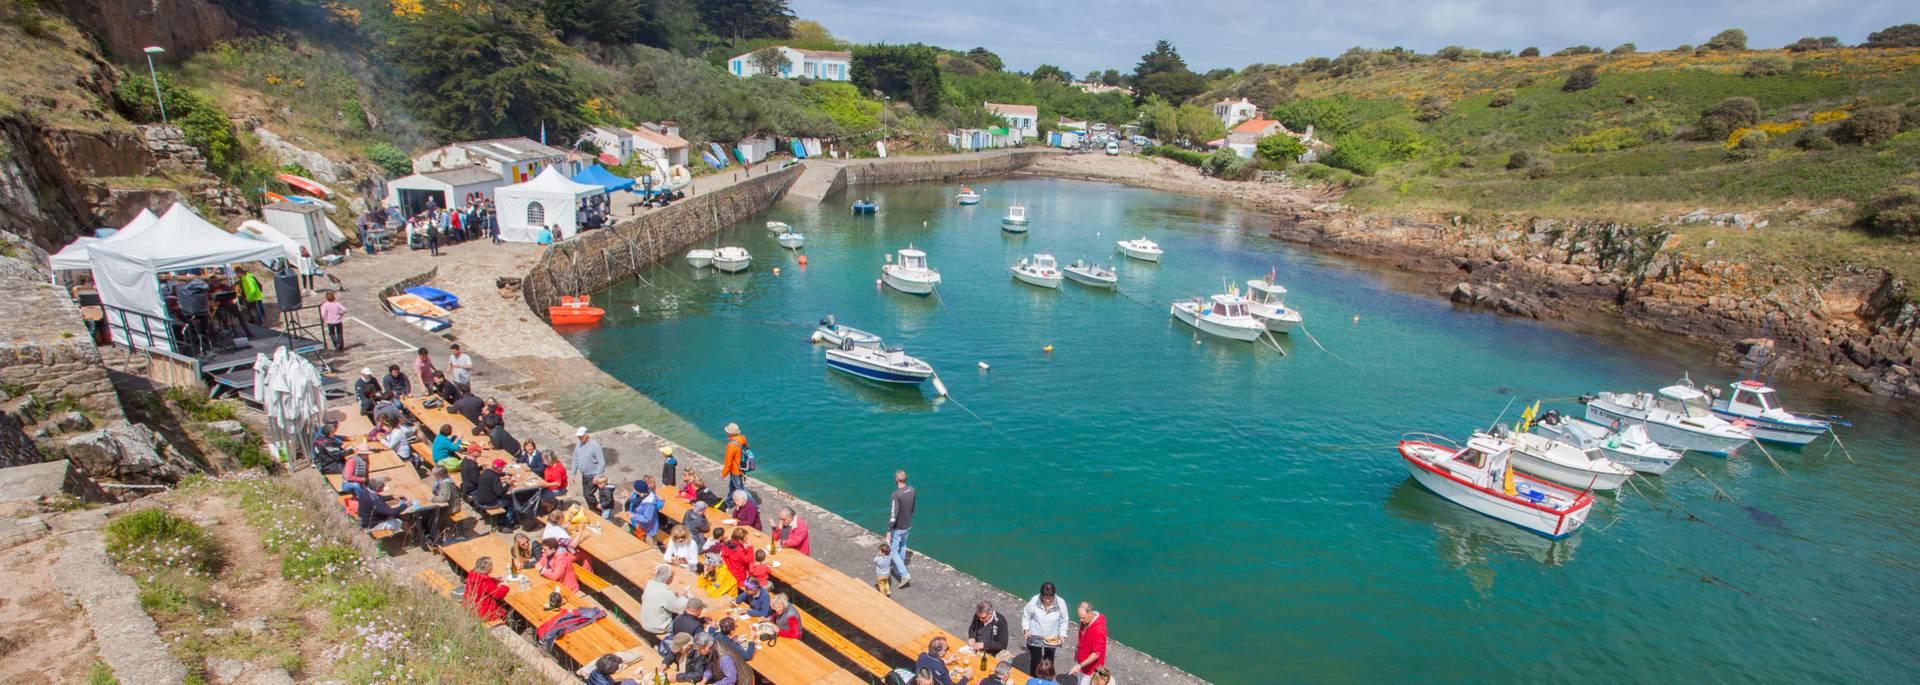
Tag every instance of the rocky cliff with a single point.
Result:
(127, 27)
(1851, 324)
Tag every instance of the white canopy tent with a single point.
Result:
(548, 200)
(74, 257)
(260, 230)
(126, 271)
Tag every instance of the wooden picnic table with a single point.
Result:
(612, 543)
(434, 417)
(528, 598)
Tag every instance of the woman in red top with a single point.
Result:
(485, 593)
(785, 617)
(557, 564)
(737, 555)
(556, 480)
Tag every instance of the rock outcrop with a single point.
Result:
(127, 27)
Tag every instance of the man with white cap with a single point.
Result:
(588, 459)
(367, 390)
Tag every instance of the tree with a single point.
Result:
(745, 19)
(1810, 44)
(1219, 74)
(1530, 51)
(1163, 58)
(1730, 39)
(1901, 36)
(612, 22)
(1162, 119)
(1174, 86)
(986, 59)
(767, 61)
(908, 72)
(1048, 71)
(811, 33)
(1583, 77)
(1869, 126)
(1199, 125)
(1110, 77)
(493, 71)
(1720, 120)
(1278, 150)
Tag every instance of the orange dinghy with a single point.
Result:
(574, 310)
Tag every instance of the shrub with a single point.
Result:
(1624, 49)
(1519, 160)
(1683, 48)
(1749, 144)
(1910, 118)
(1730, 39)
(1501, 99)
(393, 161)
(1767, 66)
(1869, 126)
(1814, 140)
(1187, 157)
(1278, 150)
(1894, 213)
(155, 539)
(1430, 108)
(1530, 51)
(1582, 78)
(1225, 164)
(1900, 36)
(1810, 44)
(1607, 140)
(1539, 168)
(1723, 117)
(1329, 175)
(1374, 146)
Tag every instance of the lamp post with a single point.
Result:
(151, 51)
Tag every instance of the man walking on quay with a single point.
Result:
(734, 465)
(899, 520)
(588, 459)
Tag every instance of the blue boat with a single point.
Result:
(877, 364)
(440, 298)
(865, 206)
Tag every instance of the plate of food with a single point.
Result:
(1053, 641)
(514, 578)
(730, 522)
(773, 563)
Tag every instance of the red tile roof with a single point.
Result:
(1029, 110)
(664, 140)
(1254, 125)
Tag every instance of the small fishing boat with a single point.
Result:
(1092, 275)
(419, 311)
(1141, 249)
(865, 206)
(700, 258)
(910, 274)
(1677, 417)
(1266, 301)
(1480, 477)
(1225, 315)
(886, 365)
(317, 202)
(1756, 404)
(574, 310)
(1544, 457)
(1629, 446)
(1016, 216)
(778, 227)
(967, 196)
(305, 185)
(791, 240)
(731, 259)
(1040, 270)
(832, 333)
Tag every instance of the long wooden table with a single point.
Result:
(528, 598)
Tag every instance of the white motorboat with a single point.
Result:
(833, 333)
(1266, 301)
(1629, 446)
(1677, 417)
(910, 274)
(1141, 249)
(886, 365)
(967, 196)
(1016, 216)
(700, 258)
(732, 259)
(791, 240)
(1040, 270)
(1224, 315)
(778, 227)
(1093, 275)
(1479, 477)
(1539, 455)
(1757, 404)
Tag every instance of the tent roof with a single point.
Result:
(78, 255)
(597, 175)
(181, 240)
(552, 182)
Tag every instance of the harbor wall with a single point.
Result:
(595, 260)
(912, 170)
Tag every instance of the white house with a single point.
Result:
(826, 65)
(1232, 112)
(1023, 119)
(983, 138)
(660, 144)
(515, 160)
(613, 141)
(447, 188)
(1245, 137)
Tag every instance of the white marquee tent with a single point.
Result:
(256, 229)
(74, 257)
(548, 200)
(127, 270)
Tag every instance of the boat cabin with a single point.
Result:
(1229, 306)
(1484, 458)
(1044, 262)
(913, 259)
(1683, 401)
(1266, 293)
(1016, 212)
(1752, 394)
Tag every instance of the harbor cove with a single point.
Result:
(1242, 504)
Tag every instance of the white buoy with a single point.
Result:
(815, 338)
(938, 386)
(983, 366)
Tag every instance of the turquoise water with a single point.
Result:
(1240, 513)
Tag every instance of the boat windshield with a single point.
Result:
(1763, 400)
(1691, 408)
(912, 262)
(1472, 457)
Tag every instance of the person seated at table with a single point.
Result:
(468, 405)
(925, 677)
(725, 665)
(759, 570)
(503, 441)
(745, 511)
(353, 475)
(715, 579)
(554, 479)
(398, 435)
(1101, 676)
(786, 617)
(375, 512)
(490, 489)
(792, 532)
(689, 621)
(688, 666)
(1044, 673)
(691, 492)
(492, 413)
(446, 498)
(643, 510)
(485, 595)
(388, 407)
(1001, 672)
(756, 598)
(556, 563)
(934, 660)
(601, 673)
(600, 496)
(659, 602)
(526, 555)
(366, 390)
(329, 449)
(396, 383)
(722, 632)
(446, 448)
(716, 538)
(682, 549)
(445, 389)
(987, 634)
(737, 554)
(470, 473)
(531, 455)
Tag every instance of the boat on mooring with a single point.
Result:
(1677, 417)
(1544, 457)
(1141, 249)
(910, 273)
(875, 363)
(1758, 405)
(1016, 219)
(1091, 275)
(1628, 446)
(1480, 477)
(865, 206)
(700, 258)
(1040, 270)
(831, 332)
(1266, 300)
(791, 240)
(732, 259)
(1224, 315)
(574, 311)
(778, 227)
(967, 196)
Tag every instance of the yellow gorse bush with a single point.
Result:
(1830, 116)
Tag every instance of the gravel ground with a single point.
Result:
(1165, 174)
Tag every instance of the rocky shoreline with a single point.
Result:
(1847, 326)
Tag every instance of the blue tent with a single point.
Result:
(597, 175)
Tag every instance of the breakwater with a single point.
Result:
(826, 177)
(597, 259)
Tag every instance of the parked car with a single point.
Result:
(1113, 149)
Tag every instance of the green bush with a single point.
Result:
(1607, 140)
(1869, 126)
(1814, 140)
(1894, 213)
(1529, 51)
(1430, 108)
(1187, 157)
(1333, 117)
(1723, 117)
(1501, 99)
(1278, 150)
(1226, 165)
(1539, 168)
(198, 407)
(1624, 49)
(1376, 145)
(1730, 39)
(1811, 44)
(1329, 175)
(1898, 36)
(1520, 159)
(1750, 145)
(1583, 77)
(153, 539)
(1767, 66)
(392, 161)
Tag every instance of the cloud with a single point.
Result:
(1080, 35)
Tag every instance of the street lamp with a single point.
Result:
(151, 51)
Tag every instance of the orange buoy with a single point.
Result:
(803, 260)
(776, 271)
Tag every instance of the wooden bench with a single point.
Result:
(436, 582)
(813, 628)
(588, 579)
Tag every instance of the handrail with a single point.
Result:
(1429, 438)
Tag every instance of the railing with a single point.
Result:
(138, 331)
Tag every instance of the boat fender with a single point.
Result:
(776, 271)
(815, 338)
(939, 387)
(876, 284)
(1048, 349)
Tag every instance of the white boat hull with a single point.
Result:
(1776, 431)
(792, 241)
(1543, 522)
(1142, 255)
(1014, 228)
(865, 368)
(700, 259)
(1211, 327)
(1281, 323)
(910, 286)
(1576, 478)
(836, 336)
(1090, 279)
(733, 266)
(1651, 466)
(1672, 436)
(1035, 279)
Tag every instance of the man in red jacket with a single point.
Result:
(1090, 650)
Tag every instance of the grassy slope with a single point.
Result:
(1652, 95)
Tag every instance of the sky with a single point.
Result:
(1083, 35)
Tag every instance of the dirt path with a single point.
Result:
(39, 621)
(1171, 176)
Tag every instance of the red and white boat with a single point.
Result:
(1480, 477)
